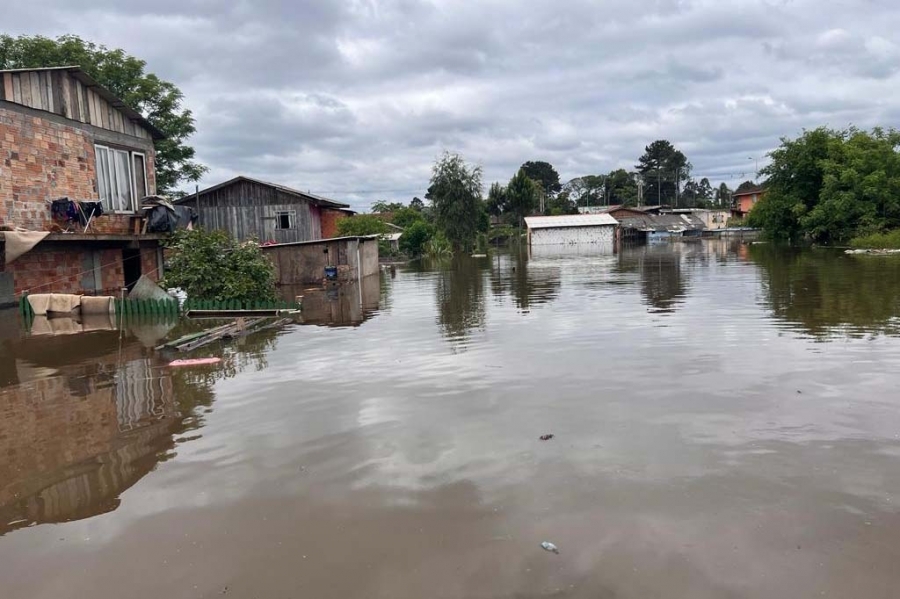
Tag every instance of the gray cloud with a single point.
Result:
(356, 98)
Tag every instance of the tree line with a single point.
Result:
(457, 214)
(832, 186)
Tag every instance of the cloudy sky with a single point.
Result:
(354, 99)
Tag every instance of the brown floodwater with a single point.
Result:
(726, 424)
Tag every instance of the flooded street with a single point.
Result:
(726, 423)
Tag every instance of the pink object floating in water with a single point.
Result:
(195, 362)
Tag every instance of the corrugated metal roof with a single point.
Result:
(674, 223)
(569, 220)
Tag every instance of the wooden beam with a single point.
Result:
(8, 87)
(17, 87)
(35, 81)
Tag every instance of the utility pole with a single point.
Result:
(658, 184)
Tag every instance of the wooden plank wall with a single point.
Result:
(248, 210)
(61, 93)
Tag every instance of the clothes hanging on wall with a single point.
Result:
(72, 211)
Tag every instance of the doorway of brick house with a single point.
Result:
(131, 267)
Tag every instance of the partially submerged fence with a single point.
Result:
(137, 307)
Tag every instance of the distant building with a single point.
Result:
(713, 220)
(251, 209)
(652, 227)
(743, 202)
(575, 229)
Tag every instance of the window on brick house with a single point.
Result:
(284, 220)
(121, 178)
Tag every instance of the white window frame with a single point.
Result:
(110, 168)
(292, 220)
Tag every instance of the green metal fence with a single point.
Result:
(236, 305)
(133, 307)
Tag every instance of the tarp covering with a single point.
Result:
(21, 241)
(165, 217)
(146, 289)
(61, 303)
(103, 304)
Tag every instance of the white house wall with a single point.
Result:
(602, 235)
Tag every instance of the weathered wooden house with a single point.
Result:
(251, 209)
(65, 138)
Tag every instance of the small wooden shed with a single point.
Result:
(252, 209)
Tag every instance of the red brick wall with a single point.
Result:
(44, 160)
(60, 268)
(329, 222)
(149, 265)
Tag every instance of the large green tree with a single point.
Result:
(544, 175)
(589, 190)
(746, 186)
(663, 169)
(723, 196)
(697, 194)
(521, 196)
(621, 188)
(124, 75)
(496, 200)
(829, 186)
(455, 194)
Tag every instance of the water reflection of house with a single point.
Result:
(346, 304)
(83, 423)
(663, 283)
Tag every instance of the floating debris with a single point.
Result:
(546, 437)
(548, 546)
(195, 362)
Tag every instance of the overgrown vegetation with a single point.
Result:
(211, 265)
(361, 225)
(438, 247)
(414, 238)
(830, 186)
(889, 240)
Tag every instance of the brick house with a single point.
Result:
(62, 135)
(743, 202)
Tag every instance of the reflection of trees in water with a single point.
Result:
(106, 417)
(529, 283)
(826, 293)
(663, 283)
(460, 295)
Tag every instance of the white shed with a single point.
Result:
(572, 229)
